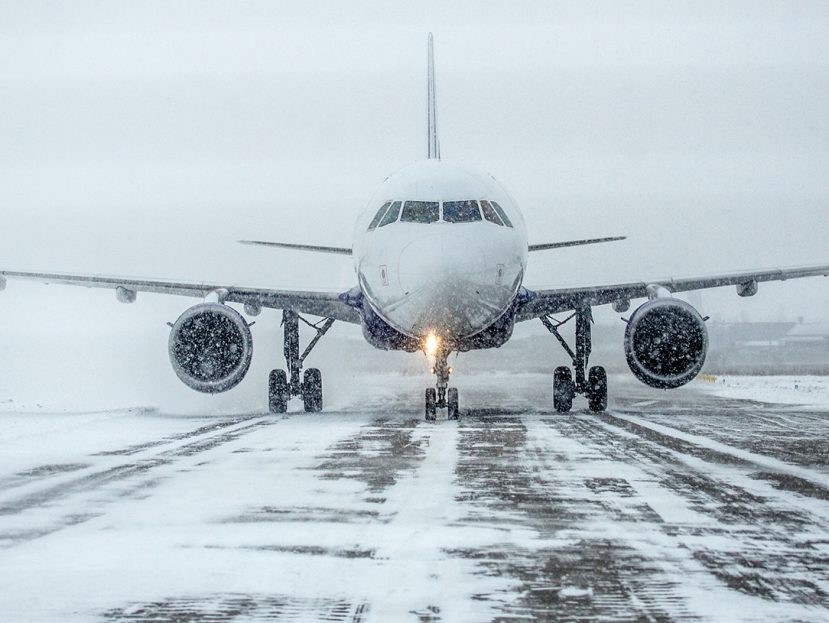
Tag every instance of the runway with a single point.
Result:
(671, 506)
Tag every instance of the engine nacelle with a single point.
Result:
(666, 342)
(210, 347)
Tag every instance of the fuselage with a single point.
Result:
(440, 250)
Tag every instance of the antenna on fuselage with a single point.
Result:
(433, 150)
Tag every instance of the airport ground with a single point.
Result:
(682, 506)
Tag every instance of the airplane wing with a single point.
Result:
(534, 304)
(572, 243)
(299, 247)
(327, 304)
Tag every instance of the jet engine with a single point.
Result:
(210, 347)
(666, 342)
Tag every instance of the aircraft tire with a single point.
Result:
(278, 391)
(597, 389)
(452, 411)
(312, 390)
(431, 404)
(563, 389)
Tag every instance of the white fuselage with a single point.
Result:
(451, 273)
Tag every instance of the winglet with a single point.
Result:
(433, 149)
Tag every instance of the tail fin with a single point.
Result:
(432, 128)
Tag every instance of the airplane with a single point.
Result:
(440, 255)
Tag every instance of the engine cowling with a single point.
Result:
(210, 347)
(666, 342)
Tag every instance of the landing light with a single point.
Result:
(431, 344)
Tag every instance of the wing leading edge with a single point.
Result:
(542, 302)
(572, 243)
(326, 304)
(298, 247)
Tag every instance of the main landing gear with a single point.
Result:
(594, 386)
(442, 396)
(283, 386)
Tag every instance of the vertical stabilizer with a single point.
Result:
(433, 150)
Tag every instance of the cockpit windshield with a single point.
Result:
(380, 214)
(461, 211)
(502, 214)
(466, 211)
(391, 215)
(420, 212)
(490, 214)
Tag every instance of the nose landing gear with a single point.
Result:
(442, 396)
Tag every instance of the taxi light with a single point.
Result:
(431, 345)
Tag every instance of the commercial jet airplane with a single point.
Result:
(440, 255)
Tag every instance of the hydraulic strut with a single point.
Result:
(583, 341)
(290, 324)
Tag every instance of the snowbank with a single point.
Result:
(799, 390)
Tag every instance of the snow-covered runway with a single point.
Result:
(681, 505)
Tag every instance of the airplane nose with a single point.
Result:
(440, 258)
(445, 286)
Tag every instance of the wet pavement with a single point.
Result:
(671, 506)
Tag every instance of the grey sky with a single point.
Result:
(144, 138)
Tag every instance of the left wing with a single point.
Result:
(534, 304)
(572, 243)
(327, 304)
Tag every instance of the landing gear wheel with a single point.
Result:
(452, 412)
(431, 404)
(312, 390)
(597, 389)
(278, 391)
(563, 389)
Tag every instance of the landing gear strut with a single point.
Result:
(442, 396)
(283, 386)
(594, 385)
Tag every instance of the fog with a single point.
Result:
(146, 138)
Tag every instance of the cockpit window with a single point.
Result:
(490, 214)
(420, 212)
(461, 211)
(380, 214)
(391, 215)
(502, 214)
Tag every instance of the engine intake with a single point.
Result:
(666, 342)
(210, 347)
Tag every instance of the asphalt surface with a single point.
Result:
(671, 506)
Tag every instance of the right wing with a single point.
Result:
(299, 247)
(327, 304)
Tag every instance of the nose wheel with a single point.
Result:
(442, 396)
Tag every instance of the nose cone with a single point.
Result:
(439, 258)
(447, 287)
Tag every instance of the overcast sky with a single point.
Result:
(144, 138)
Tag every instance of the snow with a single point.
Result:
(366, 512)
(795, 390)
